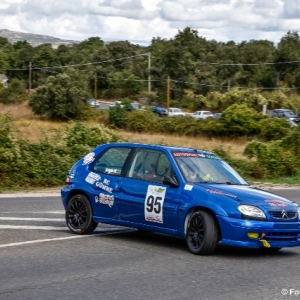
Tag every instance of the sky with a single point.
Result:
(138, 21)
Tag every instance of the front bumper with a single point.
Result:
(270, 234)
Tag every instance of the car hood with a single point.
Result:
(250, 195)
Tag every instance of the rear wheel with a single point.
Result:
(79, 215)
(202, 233)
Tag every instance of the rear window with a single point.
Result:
(111, 161)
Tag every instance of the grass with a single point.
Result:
(32, 128)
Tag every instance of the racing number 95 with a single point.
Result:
(154, 204)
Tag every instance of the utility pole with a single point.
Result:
(149, 76)
(168, 92)
(30, 74)
(95, 86)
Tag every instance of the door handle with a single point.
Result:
(118, 186)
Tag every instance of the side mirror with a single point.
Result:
(171, 180)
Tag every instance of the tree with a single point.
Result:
(62, 97)
(288, 51)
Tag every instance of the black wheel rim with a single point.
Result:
(196, 232)
(77, 214)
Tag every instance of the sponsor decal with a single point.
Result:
(105, 199)
(276, 203)
(188, 187)
(104, 185)
(185, 154)
(92, 177)
(110, 171)
(220, 193)
(154, 203)
(88, 158)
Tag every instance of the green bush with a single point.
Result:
(63, 97)
(46, 163)
(240, 120)
(15, 93)
(274, 129)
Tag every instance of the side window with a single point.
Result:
(112, 161)
(150, 165)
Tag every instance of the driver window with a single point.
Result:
(150, 165)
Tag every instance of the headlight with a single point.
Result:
(252, 212)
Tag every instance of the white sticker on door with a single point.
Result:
(154, 203)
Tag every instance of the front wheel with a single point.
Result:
(202, 233)
(79, 215)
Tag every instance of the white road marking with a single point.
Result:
(103, 230)
(44, 240)
(32, 227)
(27, 227)
(34, 212)
(29, 195)
(31, 219)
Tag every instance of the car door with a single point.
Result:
(143, 198)
(104, 178)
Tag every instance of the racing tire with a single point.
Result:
(79, 215)
(202, 233)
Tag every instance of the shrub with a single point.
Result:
(62, 97)
(15, 93)
(274, 129)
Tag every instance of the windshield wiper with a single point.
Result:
(234, 183)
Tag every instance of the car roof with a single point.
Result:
(282, 109)
(154, 146)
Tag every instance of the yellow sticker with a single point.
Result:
(265, 243)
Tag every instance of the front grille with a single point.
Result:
(280, 236)
(283, 214)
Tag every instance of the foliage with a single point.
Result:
(62, 97)
(15, 93)
(274, 129)
(46, 163)
(276, 158)
(240, 120)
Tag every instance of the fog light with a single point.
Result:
(253, 235)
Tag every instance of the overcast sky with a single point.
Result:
(138, 21)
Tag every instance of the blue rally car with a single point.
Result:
(182, 192)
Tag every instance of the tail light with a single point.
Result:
(69, 179)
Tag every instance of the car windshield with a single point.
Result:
(288, 113)
(200, 167)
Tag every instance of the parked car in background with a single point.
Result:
(217, 115)
(93, 102)
(285, 113)
(202, 114)
(136, 106)
(174, 112)
(161, 111)
(116, 103)
(183, 192)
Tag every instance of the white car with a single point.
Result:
(116, 103)
(202, 114)
(92, 102)
(173, 112)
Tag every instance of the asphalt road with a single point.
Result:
(41, 259)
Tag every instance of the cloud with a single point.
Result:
(140, 20)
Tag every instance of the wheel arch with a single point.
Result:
(78, 192)
(208, 210)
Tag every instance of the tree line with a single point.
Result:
(191, 61)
